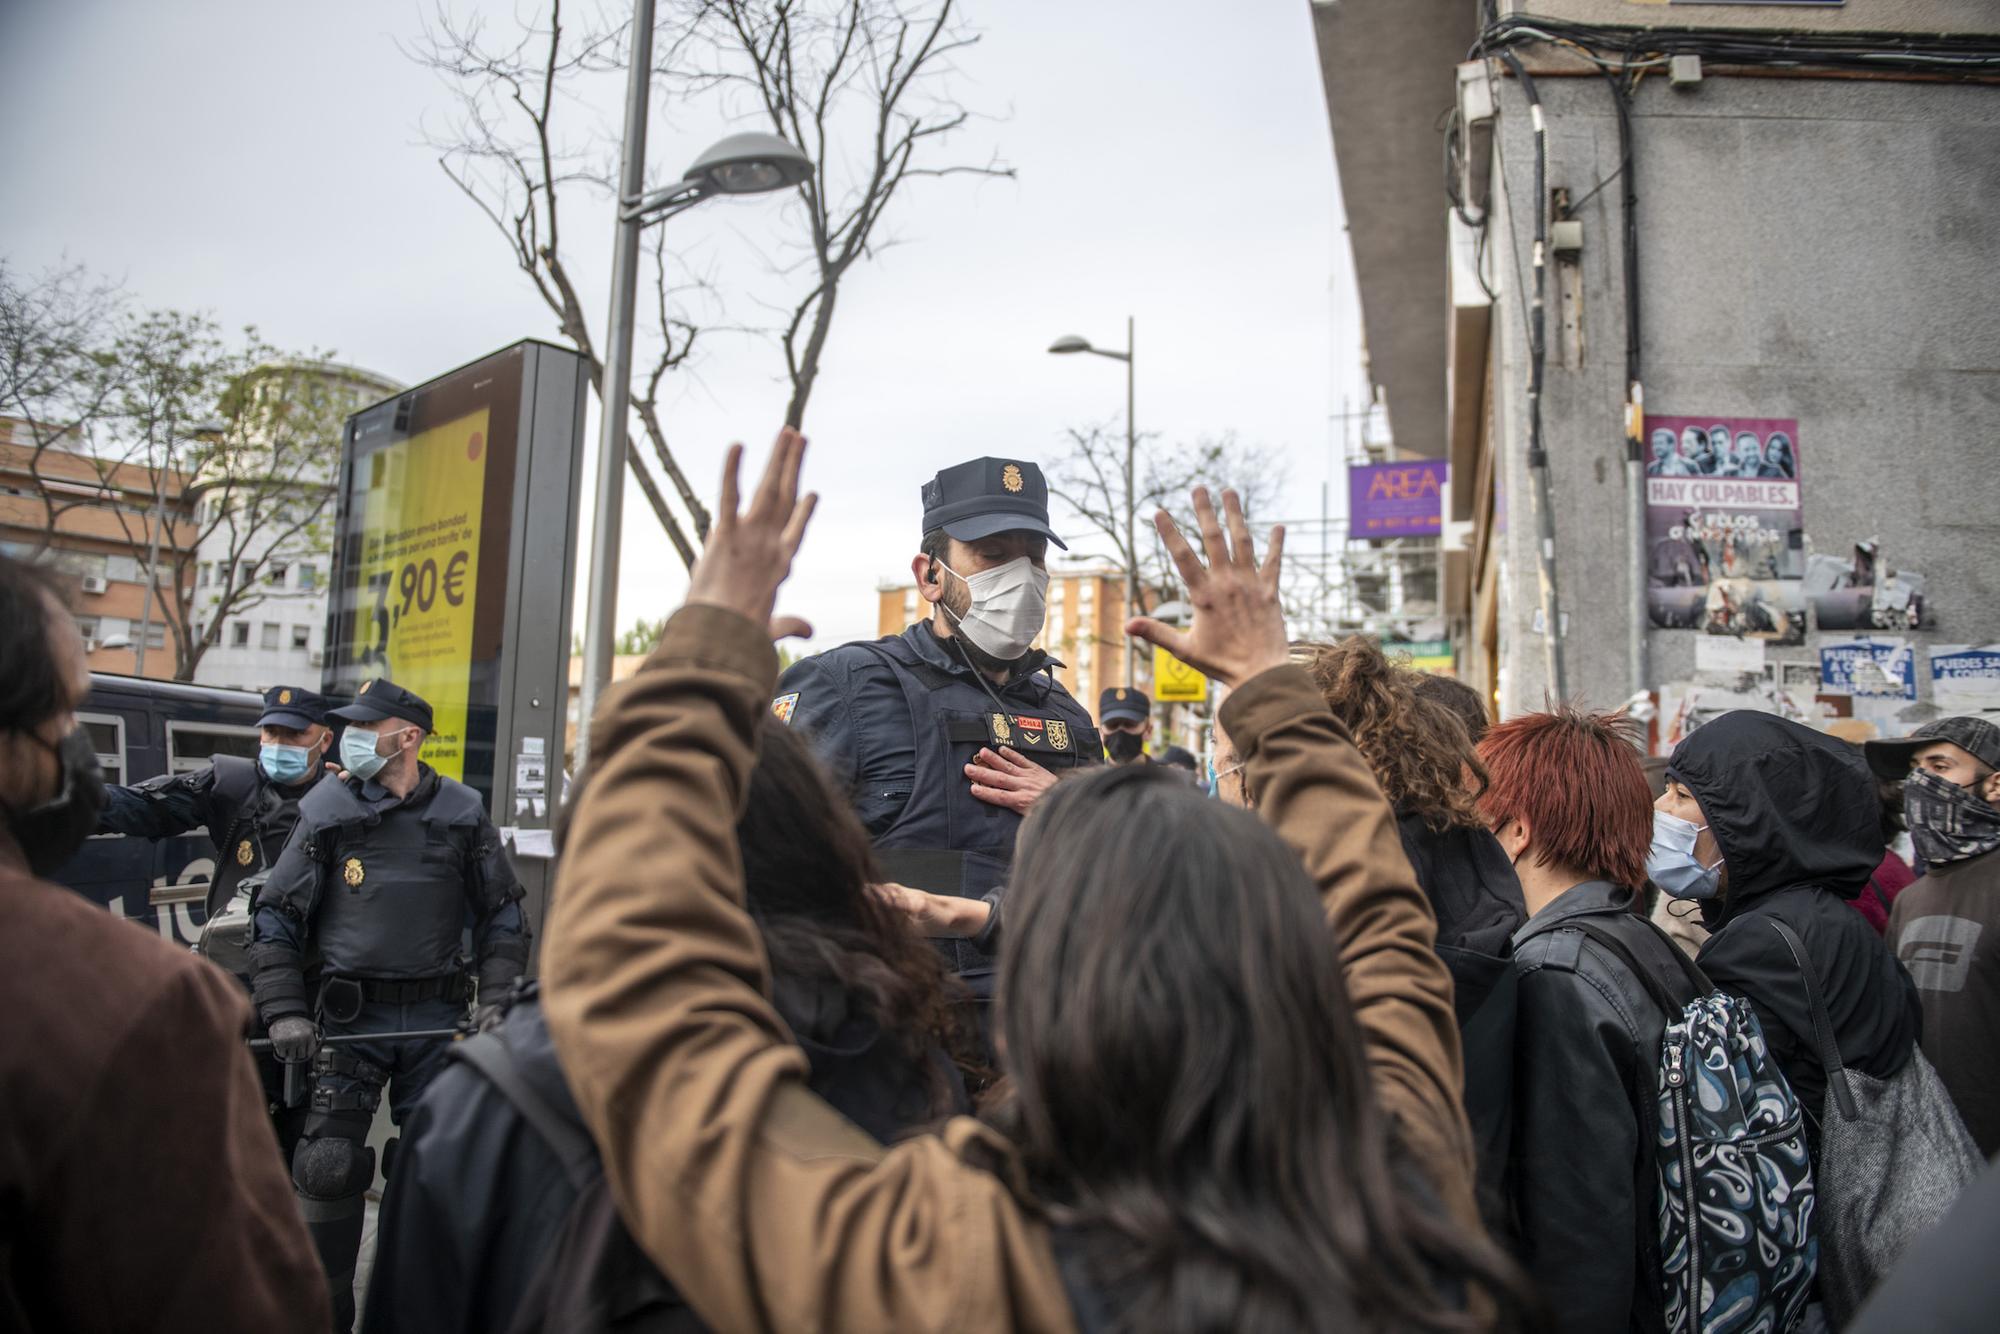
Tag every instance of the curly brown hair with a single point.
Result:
(1419, 750)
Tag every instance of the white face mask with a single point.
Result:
(1008, 604)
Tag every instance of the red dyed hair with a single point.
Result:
(1576, 780)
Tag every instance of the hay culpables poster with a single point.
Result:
(1726, 546)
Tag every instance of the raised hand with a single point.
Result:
(1239, 624)
(749, 555)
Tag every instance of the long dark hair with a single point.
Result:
(1190, 1092)
(807, 865)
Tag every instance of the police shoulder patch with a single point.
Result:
(244, 853)
(782, 706)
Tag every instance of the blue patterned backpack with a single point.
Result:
(1737, 1245)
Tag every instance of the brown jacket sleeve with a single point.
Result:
(1310, 784)
(172, 1179)
(765, 1207)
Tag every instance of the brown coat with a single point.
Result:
(140, 1182)
(765, 1207)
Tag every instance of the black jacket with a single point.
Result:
(1587, 1067)
(1796, 817)
(1477, 898)
(480, 1200)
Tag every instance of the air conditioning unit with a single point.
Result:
(316, 659)
(95, 583)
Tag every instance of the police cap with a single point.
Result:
(1117, 704)
(987, 496)
(292, 707)
(380, 699)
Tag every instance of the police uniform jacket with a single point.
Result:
(897, 720)
(248, 817)
(384, 886)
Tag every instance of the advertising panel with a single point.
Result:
(423, 550)
(1396, 499)
(1724, 526)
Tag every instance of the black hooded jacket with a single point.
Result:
(1795, 815)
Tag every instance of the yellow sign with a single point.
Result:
(420, 572)
(1174, 682)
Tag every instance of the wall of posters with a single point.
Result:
(1723, 521)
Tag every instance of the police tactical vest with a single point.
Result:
(261, 821)
(946, 840)
(394, 884)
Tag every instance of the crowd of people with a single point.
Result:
(1378, 1028)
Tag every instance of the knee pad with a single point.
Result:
(331, 1168)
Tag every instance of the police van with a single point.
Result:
(142, 729)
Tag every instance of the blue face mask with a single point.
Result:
(1672, 863)
(285, 764)
(358, 755)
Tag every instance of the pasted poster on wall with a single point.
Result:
(1726, 545)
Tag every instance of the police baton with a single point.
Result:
(354, 1039)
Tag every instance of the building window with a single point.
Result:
(239, 634)
(156, 634)
(308, 576)
(248, 572)
(270, 636)
(302, 637)
(107, 738)
(206, 567)
(87, 627)
(274, 573)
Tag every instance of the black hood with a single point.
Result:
(1788, 805)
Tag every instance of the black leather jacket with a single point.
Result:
(1587, 1067)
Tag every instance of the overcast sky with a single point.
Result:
(265, 163)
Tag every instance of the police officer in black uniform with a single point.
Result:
(381, 876)
(947, 733)
(248, 808)
(1126, 716)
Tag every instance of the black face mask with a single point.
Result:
(1123, 747)
(50, 833)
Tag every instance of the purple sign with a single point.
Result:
(1396, 499)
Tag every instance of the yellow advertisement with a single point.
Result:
(1174, 682)
(420, 572)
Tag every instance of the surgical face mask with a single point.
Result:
(358, 754)
(1123, 747)
(1008, 603)
(50, 832)
(1672, 863)
(1948, 823)
(285, 765)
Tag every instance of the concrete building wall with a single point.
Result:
(1812, 248)
(1923, 16)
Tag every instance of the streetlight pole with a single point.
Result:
(614, 391)
(741, 164)
(1071, 343)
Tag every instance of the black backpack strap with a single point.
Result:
(1655, 988)
(490, 1055)
(1829, 1050)
(1880, 897)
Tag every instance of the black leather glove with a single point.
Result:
(293, 1038)
(487, 1017)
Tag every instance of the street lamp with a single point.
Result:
(742, 164)
(1069, 343)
